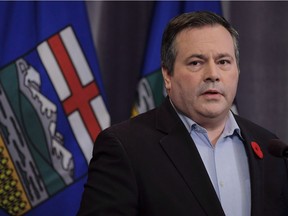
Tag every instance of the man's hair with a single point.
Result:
(187, 21)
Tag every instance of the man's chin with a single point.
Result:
(213, 113)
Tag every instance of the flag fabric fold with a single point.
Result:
(52, 106)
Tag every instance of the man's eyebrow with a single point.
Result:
(204, 57)
(224, 55)
(200, 56)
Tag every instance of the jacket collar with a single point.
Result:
(183, 153)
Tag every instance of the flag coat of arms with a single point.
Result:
(52, 107)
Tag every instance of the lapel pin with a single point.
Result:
(257, 150)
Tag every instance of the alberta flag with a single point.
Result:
(51, 106)
(151, 92)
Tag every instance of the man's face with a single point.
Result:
(204, 82)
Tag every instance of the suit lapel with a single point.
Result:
(255, 168)
(183, 153)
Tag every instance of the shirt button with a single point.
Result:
(221, 184)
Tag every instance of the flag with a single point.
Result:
(52, 106)
(150, 90)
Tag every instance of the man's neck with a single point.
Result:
(214, 127)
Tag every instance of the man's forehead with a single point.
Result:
(204, 36)
(203, 29)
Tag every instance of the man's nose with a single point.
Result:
(212, 72)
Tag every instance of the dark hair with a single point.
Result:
(191, 20)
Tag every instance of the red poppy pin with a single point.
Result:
(257, 150)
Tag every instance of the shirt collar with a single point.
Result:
(231, 125)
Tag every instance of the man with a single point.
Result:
(192, 155)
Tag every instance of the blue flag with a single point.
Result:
(52, 106)
(151, 92)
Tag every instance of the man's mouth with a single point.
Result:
(213, 92)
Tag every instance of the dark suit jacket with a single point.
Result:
(149, 165)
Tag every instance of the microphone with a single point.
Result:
(278, 148)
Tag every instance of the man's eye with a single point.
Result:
(224, 61)
(194, 63)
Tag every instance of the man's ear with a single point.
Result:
(167, 78)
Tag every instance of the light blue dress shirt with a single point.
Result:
(226, 164)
